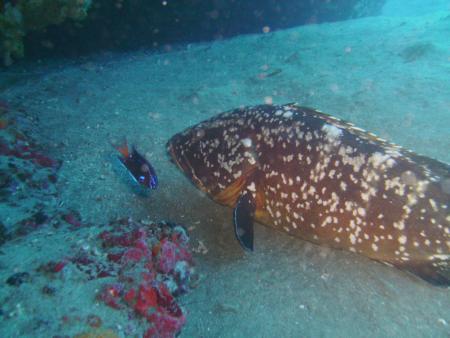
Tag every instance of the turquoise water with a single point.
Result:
(62, 185)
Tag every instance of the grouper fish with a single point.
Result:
(323, 180)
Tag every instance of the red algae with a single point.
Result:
(28, 172)
(148, 265)
(147, 256)
(57, 267)
(94, 321)
(169, 254)
(73, 219)
(111, 295)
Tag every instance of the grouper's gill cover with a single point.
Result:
(326, 181)
(217, 153)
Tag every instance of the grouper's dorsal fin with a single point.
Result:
(243, 215)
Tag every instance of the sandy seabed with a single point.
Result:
(387, 75)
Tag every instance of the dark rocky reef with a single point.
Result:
(129, 24)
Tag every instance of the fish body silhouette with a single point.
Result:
(323, 180)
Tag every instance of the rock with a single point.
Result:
(18, 278)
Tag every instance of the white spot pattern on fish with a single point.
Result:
(353, 190)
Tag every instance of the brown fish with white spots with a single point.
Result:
(324, 180)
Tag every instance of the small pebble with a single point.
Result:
(40, 217)
(48, 290)
(94, 320)
(442, 321)
(201, 248)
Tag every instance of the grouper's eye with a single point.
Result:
(141, 179)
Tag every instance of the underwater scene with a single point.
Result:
(187, 168)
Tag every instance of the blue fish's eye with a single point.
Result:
(141, 179)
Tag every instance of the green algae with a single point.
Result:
(16, 20)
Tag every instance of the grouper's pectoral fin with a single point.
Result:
(243, 215)
(230, 195)
(247, 198)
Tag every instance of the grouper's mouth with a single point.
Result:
(183, 164)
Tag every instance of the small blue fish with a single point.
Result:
(138, 167)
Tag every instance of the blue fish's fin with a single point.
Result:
(122, 160)
(243, 216)
(122, 148)
(134, 151)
